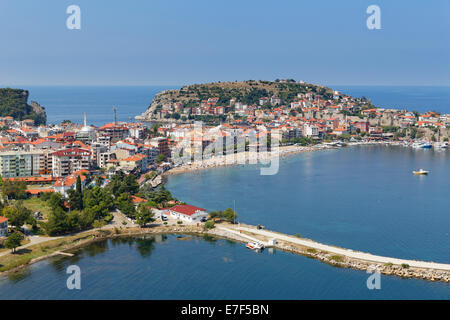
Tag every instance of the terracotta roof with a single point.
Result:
(3, 219)
(137, 199)
(38, 191)
(186, 209)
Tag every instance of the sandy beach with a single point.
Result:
(242, 158)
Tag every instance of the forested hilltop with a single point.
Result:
(14, 103)
(246, 92)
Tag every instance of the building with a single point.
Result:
(135, 162)
(3, 226)
(114, 131)
(362, 125)
(187, 213)
(63, 185)
(21, 163)
(162, 144)
(67, 161)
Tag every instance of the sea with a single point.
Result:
(361, 197)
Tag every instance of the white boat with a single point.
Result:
(441, 145)
(422, 145)
(254, 246)
(420, 172)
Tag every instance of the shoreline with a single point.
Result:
(332, 255)
(243, 158)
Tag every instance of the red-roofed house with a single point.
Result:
(187, 212)
(63, 185)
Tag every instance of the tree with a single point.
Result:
(160, 158)
(76, 196)
(229, 214)
(14, 189)
(144, 214)
(57, 222)
(129, 185)
(18, 214)
(125, 205)
(13, 241)
(209, 224)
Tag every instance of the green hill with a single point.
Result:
(248, 92)
(14, 103)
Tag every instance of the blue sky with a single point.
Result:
(174, 42)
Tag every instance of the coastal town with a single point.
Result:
(58, 179)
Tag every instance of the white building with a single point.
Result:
(187, 213)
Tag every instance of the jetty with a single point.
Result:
(341, 257)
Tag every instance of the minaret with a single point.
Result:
(115, 115)
(85, 119)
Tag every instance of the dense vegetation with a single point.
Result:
(14, 103)
(247, 92)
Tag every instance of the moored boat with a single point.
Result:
(254, 246)
(422, 145)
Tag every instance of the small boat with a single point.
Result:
(254, 246)
(420, 172)
(441, 145)
(422, 145)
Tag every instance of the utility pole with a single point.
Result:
(234, 216)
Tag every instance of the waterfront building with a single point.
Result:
(187, 212)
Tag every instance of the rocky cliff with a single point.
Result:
(14, 103)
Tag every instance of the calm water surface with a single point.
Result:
(364, 198)
(168, 268)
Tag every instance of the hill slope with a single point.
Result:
(247, 92)
(14, 103)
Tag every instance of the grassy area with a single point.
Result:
(337, 258)
(36, 204)
(24, 256)
(23, 242)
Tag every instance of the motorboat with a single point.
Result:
(422, 145)
(420, 172)
(254, 246)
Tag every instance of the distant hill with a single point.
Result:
(14, 103)
(247, 92)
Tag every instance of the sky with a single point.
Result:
(177, 42)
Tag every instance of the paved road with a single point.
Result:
(33, 240)
(344, 252)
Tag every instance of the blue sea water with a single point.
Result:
(69, 103)
(413, 98)
(169, 268)
(62, 102)
(363, 198)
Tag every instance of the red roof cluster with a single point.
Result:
(186, 209)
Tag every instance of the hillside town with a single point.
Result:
(55, 158)
(53, 154)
